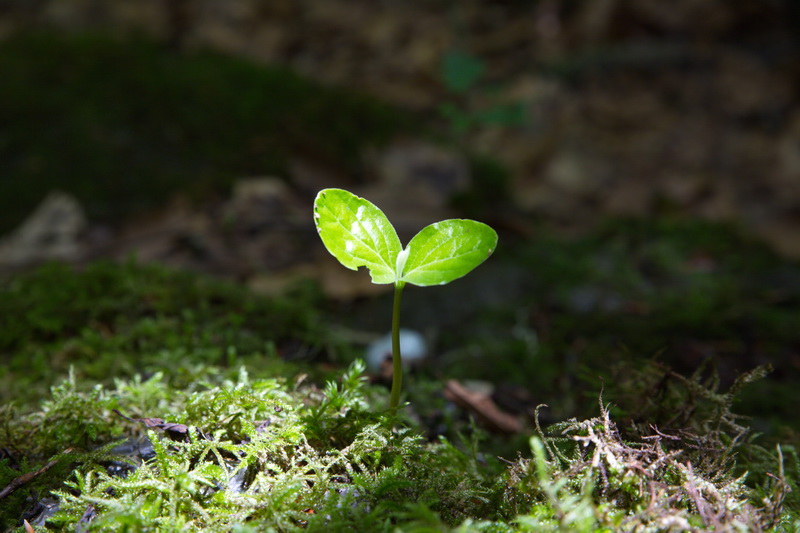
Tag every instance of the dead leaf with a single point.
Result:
(483, 407)
(175, 431)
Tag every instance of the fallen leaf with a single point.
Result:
(175, 431)
(483, 407)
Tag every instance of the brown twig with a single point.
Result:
(26, 478)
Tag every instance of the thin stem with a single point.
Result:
(397, 360)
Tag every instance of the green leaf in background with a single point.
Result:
(357, 233)
(460, 71)
(447, 250)
(510, 115)
(459, 119)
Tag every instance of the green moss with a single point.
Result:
(262, 454)
(126, 124)
(116, 320)
(257, 458)
(274, 450)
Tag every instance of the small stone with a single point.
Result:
(412, 346)
(51, 232)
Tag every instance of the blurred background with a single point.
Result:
(640, 160)
(590, 108)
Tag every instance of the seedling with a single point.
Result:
(358, 234)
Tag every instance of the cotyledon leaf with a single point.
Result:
(446, 250)
(357, 233)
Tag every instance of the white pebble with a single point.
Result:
(412, 347)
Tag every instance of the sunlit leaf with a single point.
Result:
(357, 233)
(447, 250)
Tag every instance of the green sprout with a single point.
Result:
(358, 234)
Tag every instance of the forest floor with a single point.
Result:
(666, 327)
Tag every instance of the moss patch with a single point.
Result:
(116, 320)
(250, 454)
(183, 409)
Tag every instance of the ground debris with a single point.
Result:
(175, 431)
(27, 477)
(633, 486)
(483, 407)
